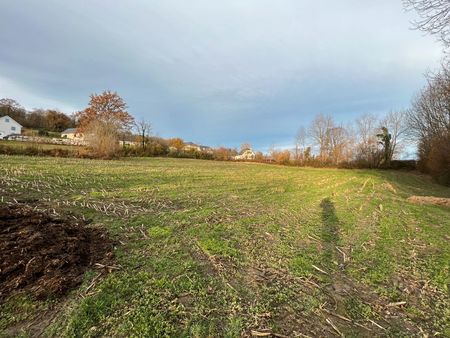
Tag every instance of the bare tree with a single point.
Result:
(429, 123)
(36, 119)
(434, 17)
(13, 109)
(430, 112)
(7, 105)
(143, 128)
(395, 122)
(366, 125)
(337, 139)
(319, 133)
(366, 152)
(335, 142)
(245, 146)
(300, 143)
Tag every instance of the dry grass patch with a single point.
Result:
(430, 200)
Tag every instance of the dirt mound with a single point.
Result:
(430, 200)
(44, 254)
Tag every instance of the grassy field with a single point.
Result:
(216, 249)
(44, 146)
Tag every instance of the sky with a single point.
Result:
(218, 73)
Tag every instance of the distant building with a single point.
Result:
(189, 146)
(128, 143)
(8, 126)
(72, 134)
(246, 155)
(206, 149)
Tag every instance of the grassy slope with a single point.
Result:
(217, 249)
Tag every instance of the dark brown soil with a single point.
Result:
(44, 254)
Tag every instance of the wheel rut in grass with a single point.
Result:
(351, 306)
(274, 302)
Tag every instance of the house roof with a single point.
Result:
(192, 144)
(11, 119)
(69, 131)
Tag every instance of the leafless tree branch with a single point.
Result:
(434, 17)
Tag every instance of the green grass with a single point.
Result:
(213, 249)
(44, 146)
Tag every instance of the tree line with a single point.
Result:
(429, 125)
(43, 120)
(108, 128)
(429, 116)
(371, 142)
(368, 142)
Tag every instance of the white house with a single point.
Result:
(246, 155)
(8, 126)
(128, 143)
(72, 134)
(189, 146)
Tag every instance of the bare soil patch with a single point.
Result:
(430, 200)
(44, 254)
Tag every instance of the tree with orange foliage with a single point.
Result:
(224, 154)
(107, 107)
(103, 122)
(280, 156)
(176, 143)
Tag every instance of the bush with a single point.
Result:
(403, 165)
(103, 139)
(281, 157)
(223, 154)
(43, 132)
(435, 158)
(36, 150)
(429, 123)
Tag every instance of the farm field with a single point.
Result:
(44, 146)
(220, 249)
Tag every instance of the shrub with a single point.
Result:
(36, 150)
(435, 158)
(103, 138)
(223, 154)
(43, 132)
(281, 157)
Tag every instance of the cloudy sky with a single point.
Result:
(216, 72)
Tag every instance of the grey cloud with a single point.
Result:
(216, 72)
